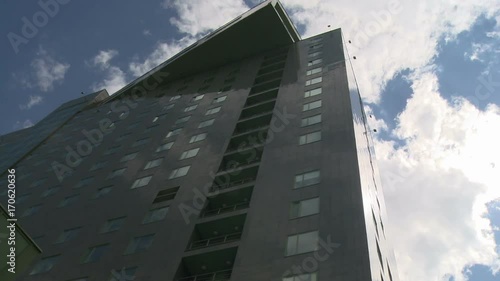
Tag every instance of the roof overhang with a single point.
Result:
(264, 27)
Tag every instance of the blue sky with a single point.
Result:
(429, 74)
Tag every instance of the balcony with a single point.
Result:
(235, 160)
(217, 232)
(214, 241)
(270, 68)
(228, 180)
(257, 109)
(251, 138)
(265, 86)
(238, 132)
(228, 202)
(274, 59)
(269, 76)
(262, 97)
(223, 275)
(223, 210)
(211, 266)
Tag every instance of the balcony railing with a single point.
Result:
(246, 146)
(223, 275)
(223, 168)
(255, 115)
(215, 241)
(241, 131)
(216, 187)
(232, 208)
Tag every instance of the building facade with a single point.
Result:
(245, 157)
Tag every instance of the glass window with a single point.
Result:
(212, 110)
(68, 200)
(307, 179)
(198, 137)
(314, 54)
(32, 210)
(95, 253)
(140, 142)
(98, 165)
(174, 132)
(103, 191)
(304, 208)
(167, 107)
(190, 108)
(311, 105)
(113, 224)
(155, 215)
(219, 99)
(113, 149)
(141, 182)
(128, 157)
(198, 97)
(175, 97)
(189, 153)
(49, 191)
(309, 138)
(315, 40)
(84, 182)
(116, 173)
(317, 46)
(313, 92)
(165, 146)
(206, 123)
(45, 264)
(302, 277)
(315, 119)
(314, 81)
(140, 243)
(182, 120)
(302, 243)
(153, 163)
(179, 172)
(68, 235)
(314, 71)
(314, 62)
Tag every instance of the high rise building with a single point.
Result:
(247, 156)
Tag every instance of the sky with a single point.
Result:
(428, 72)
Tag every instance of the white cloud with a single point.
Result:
(194, 19)
(102, 59)
(34, 100)
(162, 52)
(23, 125)
(47, 71)
(114, 79)
(389, 36)
(198, 16)
(146, 32)
(438, 183)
